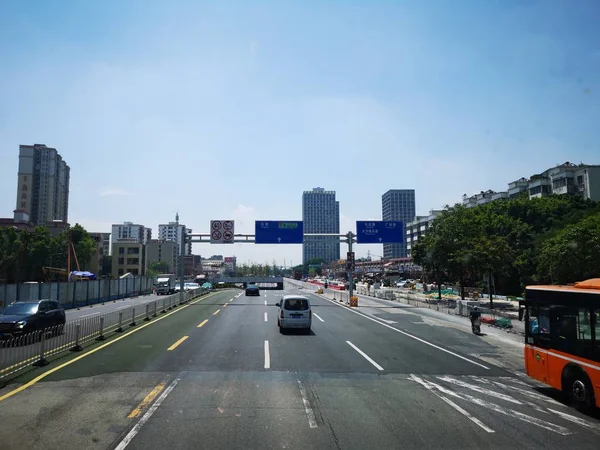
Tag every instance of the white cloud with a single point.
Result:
(106, 191)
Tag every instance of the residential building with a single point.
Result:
(516, 188)
(103, 249)
(162, 251)
(172, 232)
(417, 228)
(399, 205)
(128, 231)
(320, 214)
(57, 227)
(567, 178)
(128, 256)
(43, 184)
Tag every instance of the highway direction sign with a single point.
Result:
(278, 232)
(221, 232)
(379, 232)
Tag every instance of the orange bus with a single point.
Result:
(562, 339)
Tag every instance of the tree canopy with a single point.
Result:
(24, 253)
(516, 242)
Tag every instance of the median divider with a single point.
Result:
(34, 349)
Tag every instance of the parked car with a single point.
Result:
(22, 318)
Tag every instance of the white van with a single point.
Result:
(294, 312)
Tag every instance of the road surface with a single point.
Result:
(218, 374)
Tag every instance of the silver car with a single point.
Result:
(294, 312)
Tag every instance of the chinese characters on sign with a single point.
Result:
(24, 197)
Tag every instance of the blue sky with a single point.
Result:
(229, 110)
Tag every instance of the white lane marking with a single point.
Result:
(507, 412)
(265, 294)
(410, 335)
(577, 420)
(312, 422)
(475, 420)
(317, 316)
(138, 426)
(267, 356)
(364, 355)
(265, 317)
(528, 393)
(265, 302)
(479, 389)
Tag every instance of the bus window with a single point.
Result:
(538, 319)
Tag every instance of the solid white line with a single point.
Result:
(138, 426)
(465, 413)
(318, 317)
(312, 421)
(408, 334)
(364, 355)
(265, 317)
(267, 356)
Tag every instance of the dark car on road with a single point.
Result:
(21, 318)
(252, 289)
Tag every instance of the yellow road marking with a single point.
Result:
(216, 312)
(94, 350)
(202, 324)
(176, 344)
(147, 400)
(225, 304)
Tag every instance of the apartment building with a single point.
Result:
(43, 185)
(417, 228)
(128, 256)
(173, 231)
(158, 250)
(131, 231)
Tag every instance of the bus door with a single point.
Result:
(538, 342)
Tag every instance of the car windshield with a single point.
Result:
(21, 309)
(296, 304)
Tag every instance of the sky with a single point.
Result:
(229, 110)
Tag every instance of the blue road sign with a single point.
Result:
(279, 232)
(379, 232)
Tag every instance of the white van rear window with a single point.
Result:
(296, 304)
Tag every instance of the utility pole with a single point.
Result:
(349, 268)
(182, 266)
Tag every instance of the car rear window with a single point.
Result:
(296, 304)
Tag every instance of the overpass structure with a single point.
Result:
(260, 281)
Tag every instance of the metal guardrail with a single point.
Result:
(35, 348)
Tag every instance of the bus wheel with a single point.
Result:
(579, 389)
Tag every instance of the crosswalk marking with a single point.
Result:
(512, 397)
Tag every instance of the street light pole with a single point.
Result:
(350, 268)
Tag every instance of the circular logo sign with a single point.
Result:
(216, 235)
(537, 356)
(228, 225)
(216, 225)
(228, 235)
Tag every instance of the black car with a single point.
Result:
(21, 318)
(252, 289)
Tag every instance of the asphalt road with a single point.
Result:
(115, 305)
(218, 374)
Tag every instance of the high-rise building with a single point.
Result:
(320, 214)
(172, 232)
(397, 204)
(43, 185)
(128, 230)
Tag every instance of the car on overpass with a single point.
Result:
(252, 289)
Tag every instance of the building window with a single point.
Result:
(121, 261)
(121, 250)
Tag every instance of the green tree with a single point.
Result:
(157, 267)
(573, 254)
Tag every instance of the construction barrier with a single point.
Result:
(354, 301)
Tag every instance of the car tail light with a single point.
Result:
(310, 314)
(282, 313)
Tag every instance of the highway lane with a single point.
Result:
(231, 380)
